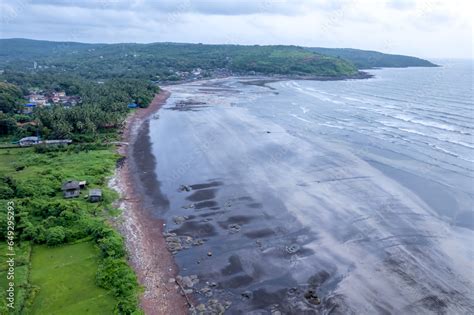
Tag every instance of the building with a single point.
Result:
(71, 189)
(27, 141)
(95, 195)
(28, 108)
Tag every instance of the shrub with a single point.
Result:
(112, 246)
(115, 275)
(55, 236)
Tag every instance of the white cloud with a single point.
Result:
(426, 28)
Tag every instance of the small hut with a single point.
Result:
(95, 195)
(71, 189)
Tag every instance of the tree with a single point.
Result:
(7, 125)
(10, 97)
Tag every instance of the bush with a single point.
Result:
(115, 275)
(55, 236)
(112, 246)
(7, 187)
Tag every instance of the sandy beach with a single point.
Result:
(149, 255)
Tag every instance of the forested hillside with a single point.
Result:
(366, 59)
(166, 61)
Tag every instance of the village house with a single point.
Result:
(28, 108)
(71, 189)
(38, 98)
(95, 195)
(27, 141)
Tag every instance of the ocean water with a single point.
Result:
(359, 191)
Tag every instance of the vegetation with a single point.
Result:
(10, 97)
(66, 235)
(366, 59)
(22, 260)
(65, 276)
(162, 61)
(103, 107)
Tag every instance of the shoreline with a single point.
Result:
(143, 233)
(360, 75)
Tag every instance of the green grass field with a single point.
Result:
(65, 276)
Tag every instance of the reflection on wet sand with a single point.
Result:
(286, 224)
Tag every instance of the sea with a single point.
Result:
(322, 197)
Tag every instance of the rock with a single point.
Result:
(201, 307)
(293, 248)
(167, 234)
(311, 297)
(206, 291)
(198, 242)
(179, 219)
(246, 295)
(189, 281)
(185, 188)
(234, 228)
(173, 243)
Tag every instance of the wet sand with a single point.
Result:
(142, 230)
(266, 216)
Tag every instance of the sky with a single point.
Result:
(423, 28)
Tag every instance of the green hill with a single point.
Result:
(164, 60)
(366, 59)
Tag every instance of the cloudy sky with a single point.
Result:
(425, 28)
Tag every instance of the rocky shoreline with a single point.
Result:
(143, 232)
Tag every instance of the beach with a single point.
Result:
(319, 196)
(290, 197)
(141, 229)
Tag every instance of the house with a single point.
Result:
(27, 141)
(71, 189)
(82, 184)
(95, 195)
(132, 105)
(28, 108)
